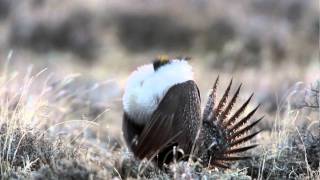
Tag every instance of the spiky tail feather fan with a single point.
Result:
(221, 136)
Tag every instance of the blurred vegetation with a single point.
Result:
(63, 68)
(143, 32)
(245, 31)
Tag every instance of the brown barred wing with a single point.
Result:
(174, 122)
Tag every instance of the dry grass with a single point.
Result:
(44, 135)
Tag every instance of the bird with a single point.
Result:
(162, 119)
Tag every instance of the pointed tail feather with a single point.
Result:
(219, 164)
(225, 136)
(223, 101)
(244, 139)
(238, 150)
(246, 129)
(211, 102)
(239, 112)
(226, 112)
(244, 120)
(232, 158)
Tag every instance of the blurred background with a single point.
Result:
(64, 65)
(269, 45)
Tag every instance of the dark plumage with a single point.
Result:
(169, 125)
(177, 130)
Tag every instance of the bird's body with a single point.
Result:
(162, 112)
(163, 96)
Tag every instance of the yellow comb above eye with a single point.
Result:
(164, 58)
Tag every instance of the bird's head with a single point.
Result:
(164, 60)
(148, 84)
(160, 61)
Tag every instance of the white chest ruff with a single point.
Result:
(146, 88)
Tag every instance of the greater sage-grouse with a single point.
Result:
(162, 117)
